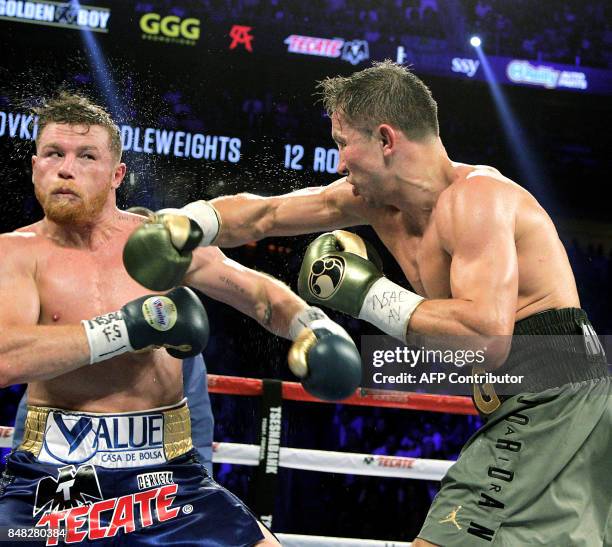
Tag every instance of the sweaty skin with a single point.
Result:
(53, 274)
(474, 243)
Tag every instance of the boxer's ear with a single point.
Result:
(388, 138)
(118, 175)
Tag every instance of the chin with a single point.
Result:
(78, 212)
(66, 214)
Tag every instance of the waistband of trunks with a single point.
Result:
(562, 321)
(554, 348)
(549, 349)
(113, 440)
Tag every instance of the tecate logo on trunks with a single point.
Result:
(126, 513)
(107, 441)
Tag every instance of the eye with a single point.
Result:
(53, 154)
(88, 156)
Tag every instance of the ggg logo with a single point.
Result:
(325, 276)
(170, 28)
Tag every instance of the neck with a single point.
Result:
(89, 235)
(425, 171)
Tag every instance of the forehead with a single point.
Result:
(341, 127)
(78, 135)
(339, 123)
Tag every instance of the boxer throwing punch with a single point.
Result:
(107, 449)
(482, 258)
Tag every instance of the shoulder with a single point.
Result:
(26, 236)
(340, 191)
(18, 250)
(483, 187)
(340, 195)
(472, 205)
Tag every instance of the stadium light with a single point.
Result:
(475, 41)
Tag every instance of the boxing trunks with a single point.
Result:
(539, 471)
(116, 479)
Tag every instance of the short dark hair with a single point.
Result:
(75, 109)
(384, 93)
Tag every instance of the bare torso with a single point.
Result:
(75, 284)
(545, 277)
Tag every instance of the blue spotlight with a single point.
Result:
(99, 67)
(529, 166)
(475, 41)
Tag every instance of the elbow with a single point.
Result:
(259, 230)
(263, 226)
(495, 338)
(250, 218)
(6, 378)
(496, 350)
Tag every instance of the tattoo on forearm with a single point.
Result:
(232, 284)
(267, 315)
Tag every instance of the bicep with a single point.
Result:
(343, 206)
(484, 264)
(18, 290)
(308, 210)
(487, 273)
(319, 209)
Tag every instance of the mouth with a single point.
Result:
(64, 192)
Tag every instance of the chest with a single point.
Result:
(422, 257)
(75, 284)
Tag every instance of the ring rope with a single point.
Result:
(352, 463)
(293, 391)
(297, 540)
(348, 463)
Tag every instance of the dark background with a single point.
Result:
(265, 98)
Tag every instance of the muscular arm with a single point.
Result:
(247, 217)
(478, 230)
(267, 300)
(31, 352)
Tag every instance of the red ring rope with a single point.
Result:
(293, 391)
